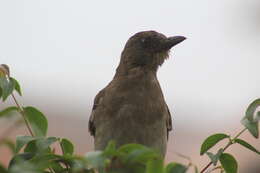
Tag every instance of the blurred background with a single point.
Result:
(63, 52)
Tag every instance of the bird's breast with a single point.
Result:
(140, 100)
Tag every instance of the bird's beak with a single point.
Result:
(172, 41)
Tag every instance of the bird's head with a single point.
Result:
(148, 49)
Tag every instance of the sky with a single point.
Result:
(63, 52)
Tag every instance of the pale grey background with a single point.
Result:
(63, 52)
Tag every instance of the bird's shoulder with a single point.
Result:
(97, 100)
(97, 105)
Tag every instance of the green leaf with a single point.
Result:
(251, 126)
(7, 87)
(258, 116)
(40, 145)
(229, 163)
(31, 147)
(10, 144)
(154, 166)
(43, 143)
(110, 149)
(16, 86)
(67, 147)
(22, 163)
(49, 160)
(8, 111)
(21, 141)
(137, 153)
(3, 169)
(95, 159)
(251, 122)
(247, 145)
(176, 168)
(196, 170)
(211, 141)
(131, 147)
(37, 121)
(57, 167)
(215, 157)
(251, 109)
(141, 155)
(18, 158)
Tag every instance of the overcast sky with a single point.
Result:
(63, 52)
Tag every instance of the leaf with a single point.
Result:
(67, 147)
(43, 143)
(7, 87)
(8, 111)
(21, 141)
(30, 147)
(258, 116)
(215, 157)
(154, 166)
(95, 159)
(137, 153)
(252, 127)
(57, 167)
(211, 141)
(21, 163)
(251, 109)
(110, 149)
(251, 122)
(37, 121)
(19, 158)
(130, 147)
(141, 155)
(196, 170)
(40, 145)
(246, 145)
(2, 169)
(176, 168)
(45, 160)
(16, 86)
(229, 163)
(4, 70)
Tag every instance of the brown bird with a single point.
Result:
(131, 108)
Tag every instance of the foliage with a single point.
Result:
(36, 153)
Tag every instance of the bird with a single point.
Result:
(132, 108)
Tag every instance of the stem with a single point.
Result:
(228, 144)
(206, 167)
(21, 110)
(240, 133)
(66, 165)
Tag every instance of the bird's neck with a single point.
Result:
(129, 70)
(141, 63)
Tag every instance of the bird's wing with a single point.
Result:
(97, 100)
(168, 122)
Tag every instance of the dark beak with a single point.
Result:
(172, 41)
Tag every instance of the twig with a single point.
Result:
(228, 144)
(21, 110)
